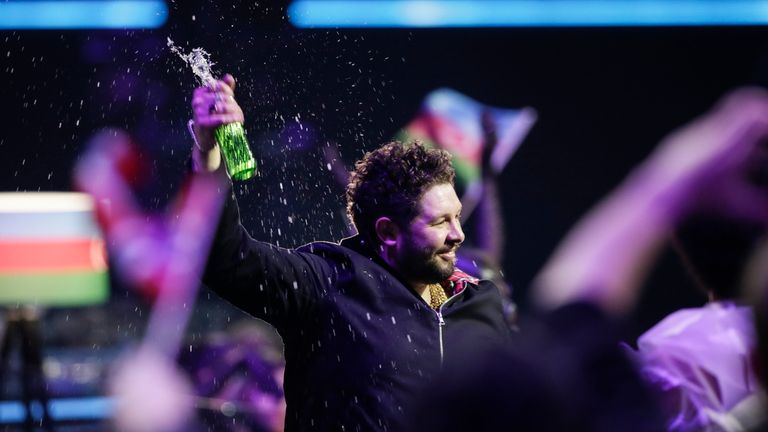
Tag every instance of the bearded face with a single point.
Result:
(426, 251)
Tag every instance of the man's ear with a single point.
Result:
(387, 231)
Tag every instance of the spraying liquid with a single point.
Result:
(231, 136)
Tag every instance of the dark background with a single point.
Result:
(604, 96)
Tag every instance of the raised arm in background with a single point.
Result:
(702, 167)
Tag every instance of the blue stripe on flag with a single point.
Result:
(48, 226)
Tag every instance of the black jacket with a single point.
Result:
(359, 344)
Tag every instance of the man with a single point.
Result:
(368, 322)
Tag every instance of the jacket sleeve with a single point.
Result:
(275, 284)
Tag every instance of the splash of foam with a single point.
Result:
(199, 60)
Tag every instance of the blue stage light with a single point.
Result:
(74, 409)
(84, 14)
(12, 412)
(525, 13)
(93, 408)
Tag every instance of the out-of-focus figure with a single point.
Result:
(160, 255)
(700, 359)
(238, 379)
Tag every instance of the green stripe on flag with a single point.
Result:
(54, 289)
(466, 173)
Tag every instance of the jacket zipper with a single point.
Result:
(441, 324)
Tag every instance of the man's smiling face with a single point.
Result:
(426, 249)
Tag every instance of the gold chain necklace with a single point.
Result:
(436, 296)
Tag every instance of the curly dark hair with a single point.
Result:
(391, 180)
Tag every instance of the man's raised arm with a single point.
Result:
(272, 283)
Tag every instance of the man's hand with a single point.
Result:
(213, 106)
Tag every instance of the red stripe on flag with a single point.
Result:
(61, 255)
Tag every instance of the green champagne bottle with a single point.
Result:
(234, 148)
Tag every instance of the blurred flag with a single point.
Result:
(51, 250)
(454, 122)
